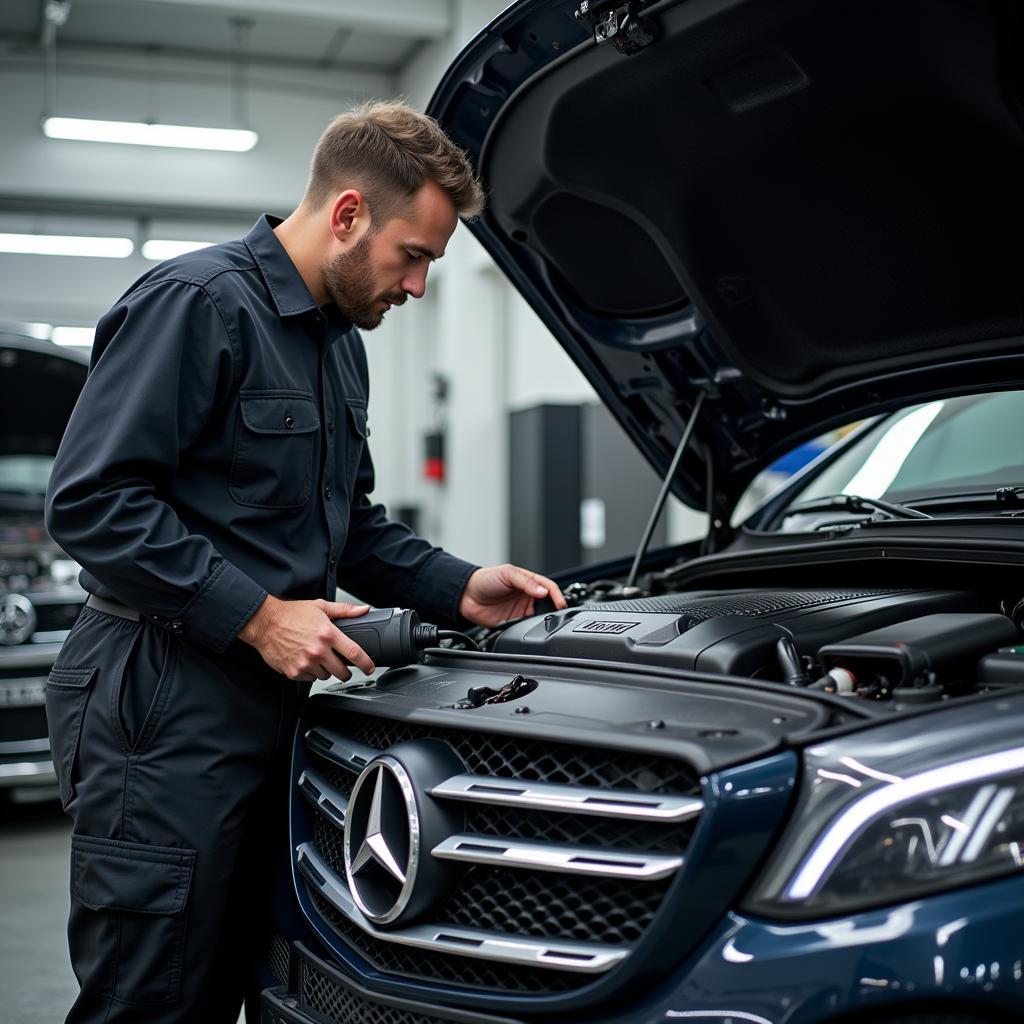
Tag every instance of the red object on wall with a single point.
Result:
(434, 464)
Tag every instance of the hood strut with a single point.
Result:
(666, 486)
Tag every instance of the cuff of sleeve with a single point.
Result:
(439, 584)
(225, 603)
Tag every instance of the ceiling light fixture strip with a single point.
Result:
(579, 957)
(563, 858)
(549, 796)
(332, 804)
(340, 749)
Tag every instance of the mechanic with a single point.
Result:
(213, 483)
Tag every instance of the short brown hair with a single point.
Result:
(388, 150)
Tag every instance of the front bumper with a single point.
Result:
(26, 769)
(25, 758)
(958, 950)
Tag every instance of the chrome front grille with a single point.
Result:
(567, 854)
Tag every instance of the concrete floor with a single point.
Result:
(35, 973)
(37, 985)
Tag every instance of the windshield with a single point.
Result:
(946, 447)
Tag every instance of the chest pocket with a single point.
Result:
(275, 453)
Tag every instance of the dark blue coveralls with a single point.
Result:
(217, 454)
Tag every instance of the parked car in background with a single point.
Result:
(39, 593)
(775, 776)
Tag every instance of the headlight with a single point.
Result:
(865, 837)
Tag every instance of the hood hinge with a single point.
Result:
(619, 24)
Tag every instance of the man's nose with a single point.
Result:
(415, 284)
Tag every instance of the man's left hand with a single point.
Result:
(505, 592)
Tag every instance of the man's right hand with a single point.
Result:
(299, 640)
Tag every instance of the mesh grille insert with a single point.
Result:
(319, 992)
(528, 903)
(519, 757)
(279, 958)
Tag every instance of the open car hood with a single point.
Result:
(41, 386)
(809, 211)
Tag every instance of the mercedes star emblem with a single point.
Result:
(382, 840)
(17, 619)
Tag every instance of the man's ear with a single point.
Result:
(350, 216)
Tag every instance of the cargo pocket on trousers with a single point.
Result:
(67, 693)
(128, 908)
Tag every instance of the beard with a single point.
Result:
(348, 280)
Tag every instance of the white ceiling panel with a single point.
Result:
(192, 28)
(425, 19)
(374, 48)
(316, 32)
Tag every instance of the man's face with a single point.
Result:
(385, 266)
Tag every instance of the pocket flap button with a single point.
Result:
(289, 422)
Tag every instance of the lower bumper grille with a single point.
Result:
(324, 993)
(279, 959)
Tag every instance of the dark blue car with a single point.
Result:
(775, 776)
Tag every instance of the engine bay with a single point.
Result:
(897, 646)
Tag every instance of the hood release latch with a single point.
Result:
(619, 24)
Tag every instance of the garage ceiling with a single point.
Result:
(318, 34)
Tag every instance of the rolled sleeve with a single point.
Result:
(162, 360)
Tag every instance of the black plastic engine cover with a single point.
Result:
(732, 633)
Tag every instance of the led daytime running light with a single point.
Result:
(845, 828)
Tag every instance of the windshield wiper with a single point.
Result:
(856, 503)
(1010, 497)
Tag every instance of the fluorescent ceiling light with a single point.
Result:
(41, 332)
(137, 133)
(67, 245)
(165, 248)
(73, 335)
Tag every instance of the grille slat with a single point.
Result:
(332, 804)
(558, 857)
(473, 941)
(546, 796)
(462, 971)
(340, 749)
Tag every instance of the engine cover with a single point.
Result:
(731, 632)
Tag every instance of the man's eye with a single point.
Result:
(412, 255)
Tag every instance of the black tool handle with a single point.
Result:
(386, 634)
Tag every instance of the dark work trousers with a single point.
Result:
(173, 764)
